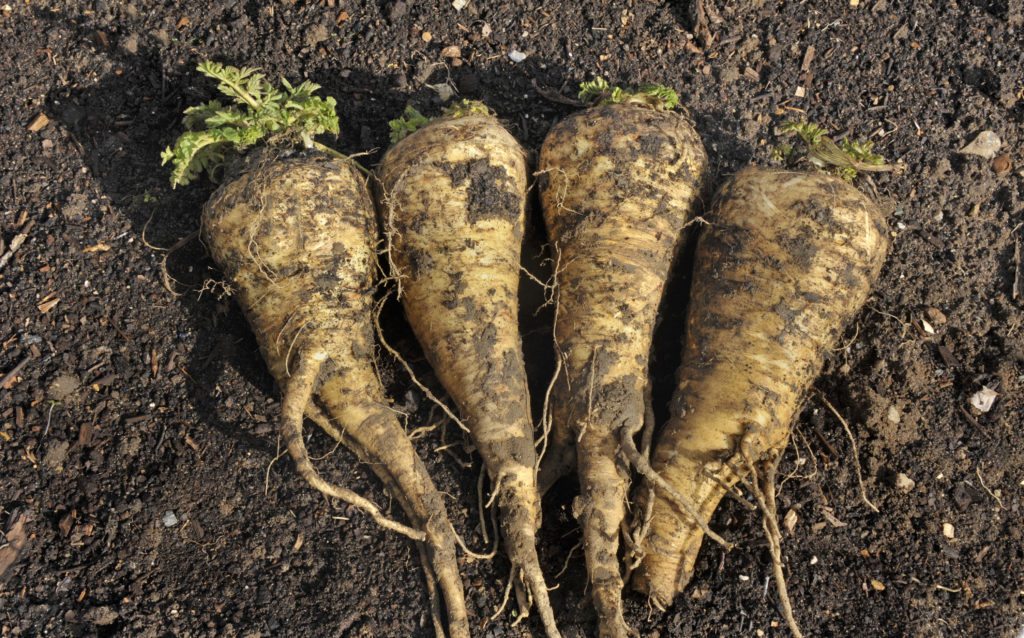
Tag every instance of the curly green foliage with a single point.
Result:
(809, 133)
(413, 120)
(598, 92)
(258, 112)
(845, 159)
(410, 121)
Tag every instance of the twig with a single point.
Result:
(1018, 275)
(554, 96)
(16, 243)
(856, 455)
(977, 470)
(14, 372)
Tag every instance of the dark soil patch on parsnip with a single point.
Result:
(138, 433)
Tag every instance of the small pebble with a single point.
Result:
(904, 482)
(983, 399)
(1002, 164)
(516, 56)
(893, 415)
(984, 145)
(948, 531)
(169, 519)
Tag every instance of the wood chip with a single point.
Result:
(100, 247)
(1002, 164)
(831, 518)
(948, 356)
(877, 585)
(1018, 277)
(805, 66)
(47, 306)
(16, 538)
(39, 123)
(790, 520)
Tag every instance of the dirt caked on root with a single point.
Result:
(454, 196)
(787, 260)
(295, 237)
(619, 183)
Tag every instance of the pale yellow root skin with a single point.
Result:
(454, 196)
(618, 185)
(787, 261)
(295, 238)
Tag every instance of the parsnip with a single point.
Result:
(787, 260)
(454, 198)
(295, 236)
(619, 182)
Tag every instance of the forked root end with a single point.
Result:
(297, 394)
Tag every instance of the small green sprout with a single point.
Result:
(413, 120)
(845, 159)
(410, 121)
(598, 92)
(259, 112)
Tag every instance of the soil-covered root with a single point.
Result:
(618, 184)
(454, 195)
(295, 237)
(787, 260)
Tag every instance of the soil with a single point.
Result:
(138, 487)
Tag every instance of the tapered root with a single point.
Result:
(439, 565)
(297, 394)
(521, 542)
(681, 500)
(604, 486)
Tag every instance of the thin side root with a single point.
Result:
(408, 369)
(435, 600)
(764, 492)
(856, 455)
(645, 469)
(297, 394)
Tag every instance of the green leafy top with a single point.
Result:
(410, 121)
(845, 159)
(258, 112)
(598, 92)
(413, 120)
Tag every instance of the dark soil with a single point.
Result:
(138, 433)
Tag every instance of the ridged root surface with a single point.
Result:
(454, 198)
(787, 260)
(618, 185)
(295, 238)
